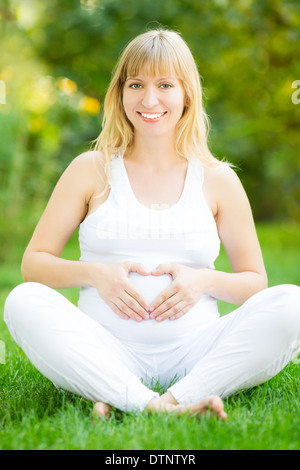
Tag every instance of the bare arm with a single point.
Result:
(238, 235)
(65, 210)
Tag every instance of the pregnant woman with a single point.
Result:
(152, 205)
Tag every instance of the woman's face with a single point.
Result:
(153, 105)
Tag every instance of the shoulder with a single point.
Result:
(85, 174)
(223, 188)
(88, 162)
(222, 180)
(221, 173)
(88, 165)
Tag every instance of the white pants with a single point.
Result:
(234, 352)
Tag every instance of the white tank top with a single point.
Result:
(123, 229)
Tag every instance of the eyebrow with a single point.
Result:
(158, 79)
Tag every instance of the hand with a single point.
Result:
(112, 284)
(188, 285)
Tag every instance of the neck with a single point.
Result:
(153, 153)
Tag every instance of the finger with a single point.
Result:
(158, 305)
(165, 306)
(164, 269)
(172, 311)
(133, 308)
(140, 303)
(181, 313)
(137, 268)
(116, 310)
(126, 310)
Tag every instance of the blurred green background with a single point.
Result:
(56, 59)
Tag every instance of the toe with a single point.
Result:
(217, 407)
(101, 410)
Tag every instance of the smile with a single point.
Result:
(151, 116)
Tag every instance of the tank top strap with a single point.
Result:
(122, 190)
(197, 169)
(117, 179)
(196, 180)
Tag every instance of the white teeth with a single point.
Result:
(152, 116)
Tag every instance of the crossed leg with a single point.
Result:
(77, 354)
(247, 347)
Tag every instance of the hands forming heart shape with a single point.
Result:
(178, 290)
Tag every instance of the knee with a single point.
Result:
(23, 291)
(277, 296)
(287, 295)
(280, 295)
(286, 302)
(19, 297)
(279, 306)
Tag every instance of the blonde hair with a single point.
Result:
(157, 52)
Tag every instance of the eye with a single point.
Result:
(166, 85)
(135, 86)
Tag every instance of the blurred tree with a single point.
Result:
(56, 61)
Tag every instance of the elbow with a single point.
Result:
(25, 269)
(260, 284)
(24, 272)
(264, 281)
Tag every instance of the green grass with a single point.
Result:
(36, 415)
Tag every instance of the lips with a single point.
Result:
(151, 116)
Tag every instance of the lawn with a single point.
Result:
(36, 415)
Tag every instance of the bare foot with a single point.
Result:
(101, 410)
(212, 403)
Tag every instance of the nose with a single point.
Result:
(150, 97)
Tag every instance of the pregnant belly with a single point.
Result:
(150, 286)
(148, 331)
